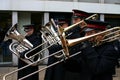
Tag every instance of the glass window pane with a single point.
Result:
(5, 24)
(56, 16)
(113, 1)
(114, 20)
(91, 1)
(59, 0)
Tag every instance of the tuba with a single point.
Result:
(20, 44)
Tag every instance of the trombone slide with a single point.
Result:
(72, 42)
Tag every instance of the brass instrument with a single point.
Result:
(112, 34)
(62, 31)
(109, 35)
(82, 21)
(20, 44)
(49, 32)
(14, 34)
(62, 39)
(55, 36)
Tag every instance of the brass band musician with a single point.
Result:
(35, 39)
(57, 72)
(94, 63)
(99, 61)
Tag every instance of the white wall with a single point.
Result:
(58, 6)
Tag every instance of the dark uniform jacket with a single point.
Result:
(35, 40)
(117, 48)
(74, 33)
(58, 71)
(55, 72)
(96, 63)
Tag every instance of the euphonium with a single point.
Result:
(49, 32)
(20, 44)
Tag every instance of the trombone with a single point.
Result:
(35, 62)
(114, 34)
(61, 32)
(111, 34)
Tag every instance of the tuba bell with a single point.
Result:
(19, 44)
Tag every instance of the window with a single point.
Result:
(57, 16)
(59, 0)
(5, 24)
(90, 1)
(113, 1)
(114, 20)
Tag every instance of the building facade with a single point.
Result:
(40, 11)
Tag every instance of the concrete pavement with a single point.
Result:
(4, 70)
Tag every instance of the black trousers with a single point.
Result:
(27, 71)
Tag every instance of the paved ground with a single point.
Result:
(4, 70)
